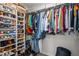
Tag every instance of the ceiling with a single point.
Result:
(37, 6)
(31, 5)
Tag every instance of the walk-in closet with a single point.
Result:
(39, 29)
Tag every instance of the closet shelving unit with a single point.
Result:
(20, 30)
(12, 29)
(7, 30)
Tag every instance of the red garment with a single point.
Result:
(29, 31)
(57, 21)
(63, 17)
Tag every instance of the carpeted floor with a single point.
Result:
(40, 54)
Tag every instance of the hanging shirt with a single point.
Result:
(59, 20)
(76, 15)
(43, 21)
(46, 22)
(52, 21)
(50, 27)
(69, 27)
(72, 17)
(63, 17)
(49, 17)
(66, 19)
(29, 29)
(30, 21)
(38, 32)
(34, 21)
(78, 20)
(75, 18)
(56, 20)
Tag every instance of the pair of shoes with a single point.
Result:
(34, 53)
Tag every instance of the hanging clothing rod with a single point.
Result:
(57, 6)
(46, 9)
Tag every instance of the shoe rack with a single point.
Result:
(7, 30)
(12, 29)
(20, 30)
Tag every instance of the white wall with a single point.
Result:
(49, 44)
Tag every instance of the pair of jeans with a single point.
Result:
(35, 45)
(35, 39)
